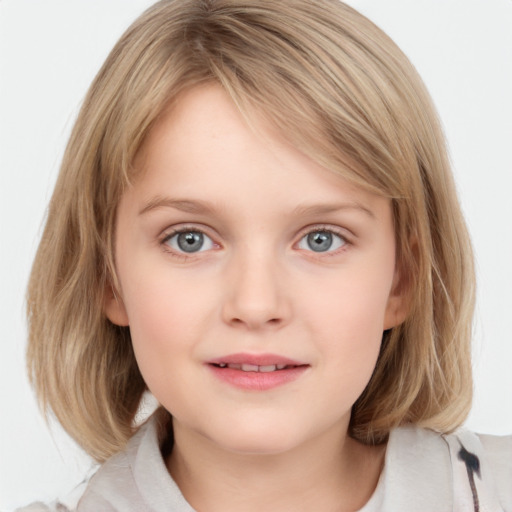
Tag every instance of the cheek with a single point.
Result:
(160, 302)
(154, 342)
(169, 315)
(353, 304)
(349, 321)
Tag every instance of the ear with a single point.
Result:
(114, 308)
(397, 307)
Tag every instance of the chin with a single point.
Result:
(256, 439)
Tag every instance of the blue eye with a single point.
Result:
(321, 241)
(189, 241)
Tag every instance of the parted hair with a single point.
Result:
(343, 93)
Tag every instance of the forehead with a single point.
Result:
(204, 145)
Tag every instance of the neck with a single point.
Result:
(333, 473)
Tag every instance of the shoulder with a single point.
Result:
(462, 468)
(111, 488)
(497, 460)
(67, 503)
(136, 479)
(114, 487)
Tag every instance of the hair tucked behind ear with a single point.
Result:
(341, 91)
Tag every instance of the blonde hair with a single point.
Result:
(340, 90)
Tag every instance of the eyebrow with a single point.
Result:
(322, 209)
(204, 208)
(185, 205)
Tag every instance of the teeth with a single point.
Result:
(269, 368)
(253, 367)
(249, 368)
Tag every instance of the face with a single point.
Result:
(256, 283)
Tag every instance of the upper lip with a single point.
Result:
(256, 360)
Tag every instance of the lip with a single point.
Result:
(256, 359)
(256, 380)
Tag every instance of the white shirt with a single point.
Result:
(423, 472)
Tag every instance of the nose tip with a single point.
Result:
(255, 297)
(254, 319)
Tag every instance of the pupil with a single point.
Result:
(320, 241)
(190, 242)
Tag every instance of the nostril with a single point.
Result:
(271, 321)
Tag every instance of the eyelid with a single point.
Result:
(172, 231)
(335, 230)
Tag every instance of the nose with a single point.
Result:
(256, 295)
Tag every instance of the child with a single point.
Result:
(255, 220)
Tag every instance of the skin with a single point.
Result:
(256, 286)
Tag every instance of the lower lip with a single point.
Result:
(257, 381)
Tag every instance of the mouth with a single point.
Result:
(256, 372)
(256, 368)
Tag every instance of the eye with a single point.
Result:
(321, 240)
(189, 241)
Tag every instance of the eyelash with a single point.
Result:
(326, 229)
(307, 231)
(169, 235)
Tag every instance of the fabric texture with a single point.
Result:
(423, 472)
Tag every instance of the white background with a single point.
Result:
(49, 52)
